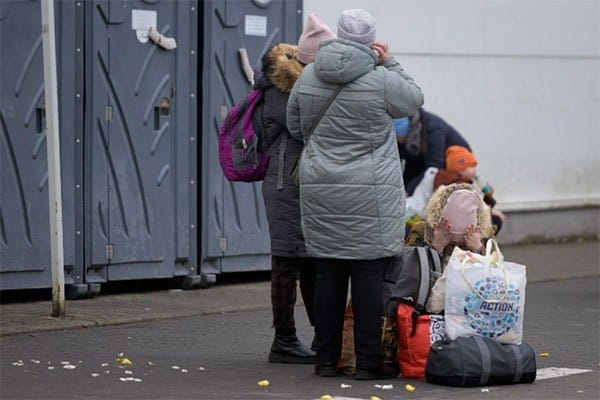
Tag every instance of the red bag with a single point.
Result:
(415, 339)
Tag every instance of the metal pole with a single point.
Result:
(53, 151)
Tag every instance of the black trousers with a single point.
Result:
(331, 289)
(285, 271)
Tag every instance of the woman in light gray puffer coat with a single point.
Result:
(352, 194)
(351, 190)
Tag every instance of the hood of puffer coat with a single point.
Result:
(280, 68)
(339, 61)
(433, 211)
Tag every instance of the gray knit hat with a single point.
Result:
(357, 25)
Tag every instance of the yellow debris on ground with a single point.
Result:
(123, 361)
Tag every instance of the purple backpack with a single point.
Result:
(239, 153)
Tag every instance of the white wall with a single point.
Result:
(518, 78)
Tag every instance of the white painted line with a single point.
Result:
(553, 372)
(345, 398)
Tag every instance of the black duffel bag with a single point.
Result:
(479, 361)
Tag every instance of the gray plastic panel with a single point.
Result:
(24, 220)
(140, 183)
(235, 234)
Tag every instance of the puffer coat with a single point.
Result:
(281, 69)
(351, 189)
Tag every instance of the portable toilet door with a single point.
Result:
(140, 113)
(24, 219)
(235, 234)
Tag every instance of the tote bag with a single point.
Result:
(485, 296)
(415, 337)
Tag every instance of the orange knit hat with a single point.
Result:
(459, 158)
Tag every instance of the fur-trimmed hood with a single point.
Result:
(433, 211)
(281, 67)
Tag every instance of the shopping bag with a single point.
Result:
(415, 204)
(389, 345)
(347, 363)
(415, 337)
(485, 296)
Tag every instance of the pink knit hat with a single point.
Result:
(461, 211)
(315, 31)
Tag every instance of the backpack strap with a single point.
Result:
(294, 172)
(437, 266)
(284, 139)
(281, 160)
(323, 111)
(424, 283)
(425, 280)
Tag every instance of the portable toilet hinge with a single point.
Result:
(109, 249)
(108, 113)
(223, 245)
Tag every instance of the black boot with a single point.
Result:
(288, 349)
(374, 373)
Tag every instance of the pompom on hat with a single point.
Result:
(315, 31)
(459, 158)
(357, 25)
(461, 211)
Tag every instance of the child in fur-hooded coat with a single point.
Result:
(423, 233)
(435, 218)
(456, 215)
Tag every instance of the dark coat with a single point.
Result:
(279, 72)
(439, 135)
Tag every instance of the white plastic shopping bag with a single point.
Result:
(415, 204)
(485, 296)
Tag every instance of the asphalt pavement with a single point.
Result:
(545, 262)
(213, 343)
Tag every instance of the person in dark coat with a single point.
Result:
(423, 143)
(281, 66)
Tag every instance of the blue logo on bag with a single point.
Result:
(498, 312)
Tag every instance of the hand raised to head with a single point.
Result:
(382, 49)
(473, 238)
(441, 234)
